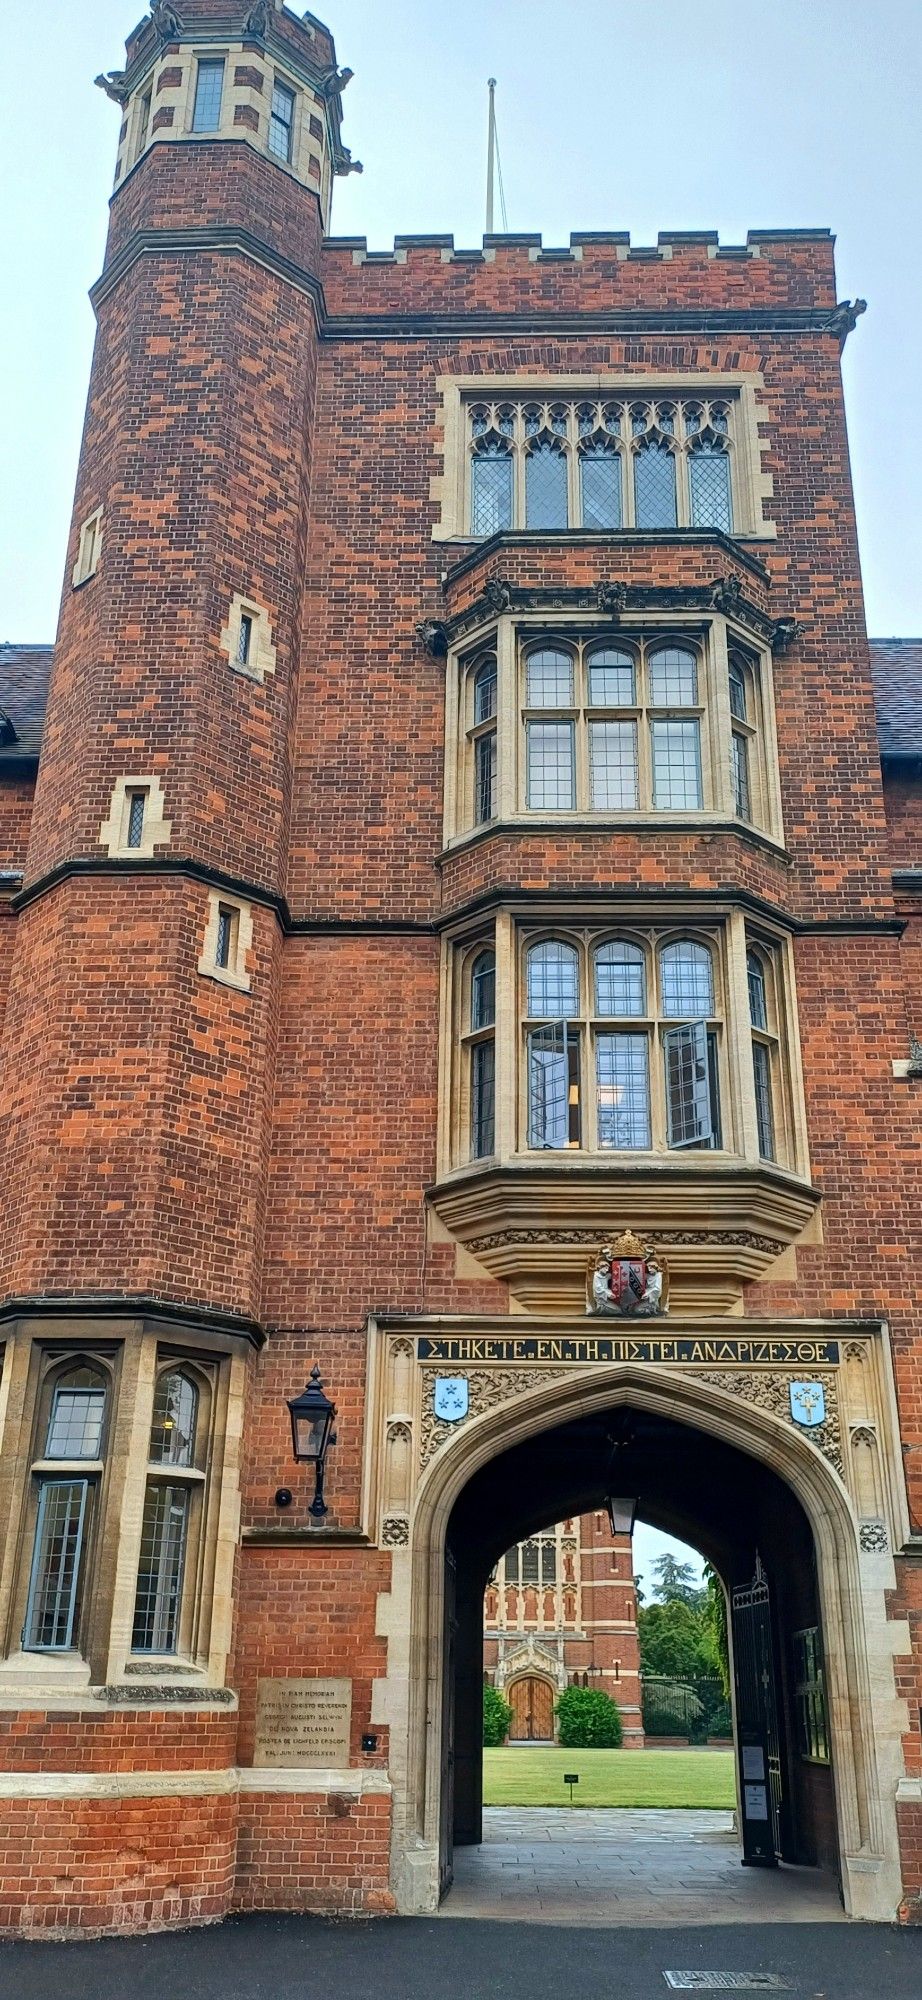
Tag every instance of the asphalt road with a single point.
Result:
(311, 1958)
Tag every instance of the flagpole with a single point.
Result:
(491, 151)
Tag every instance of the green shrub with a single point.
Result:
(497, 1716)
(588, 1720)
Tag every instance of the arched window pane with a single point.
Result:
(687, 981)
(758, 1001)
(654, 486)
(709, 487)
(611, 679)
(78, 1408)
(483, 990)
(739, 753)
(600, 487)
(738, 692)
(673, 677)
(172, 1431)
(485, 692)
(546, 487)
(512, 1566)
(620, 979)
(553, 981)
(530, 1562)
(548, 1562)
(549, 679)
(491, 490)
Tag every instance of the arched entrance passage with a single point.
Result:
(744, 1481)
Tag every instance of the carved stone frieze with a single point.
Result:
(499, 595)
(766, 1389)
(746, 1238)
(873, 1538)
(769, 1391)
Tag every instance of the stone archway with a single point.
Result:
(859, 1646)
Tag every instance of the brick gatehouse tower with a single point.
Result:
(459, 841)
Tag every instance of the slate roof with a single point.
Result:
(896, 666)
(897, 669)
(24, 672)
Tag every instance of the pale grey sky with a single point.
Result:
(612, 114)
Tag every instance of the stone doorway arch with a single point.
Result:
(859, 1646)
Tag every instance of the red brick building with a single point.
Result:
(459, 837)
(560, 1610)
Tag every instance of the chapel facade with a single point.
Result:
(560, 1610)
(458, 839)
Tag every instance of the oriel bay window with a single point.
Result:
(613, 727)
(601, 463)
(669, 722)
(622, 1043)
(481, 1046)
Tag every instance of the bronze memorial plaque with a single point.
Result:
(303, 1722)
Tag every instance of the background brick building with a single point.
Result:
(560, 1610)
(459, 835)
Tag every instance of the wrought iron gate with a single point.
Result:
(758, 1737)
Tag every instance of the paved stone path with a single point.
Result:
(621, 1865)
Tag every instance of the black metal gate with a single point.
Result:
(447, 1801)
(758, 1737)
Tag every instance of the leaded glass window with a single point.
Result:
(168, 1512)
(57, 1566)
(546, 486)
(550, 766)
(686, 980)
(172, 1438)
(655, 485)
(75, 1425)
(137, 804)
(482, 1055)
(623, 1091)
(491, 488)
(553, 980)
(602, 464)
(620, 979)
(742, 685)
(764, 1045)
(549, 678)
(209, 85)
(483, 737)
(281, 121)
(590, 757)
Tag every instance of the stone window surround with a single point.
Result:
(728, 933)
(262, 651)
(449, 489)
(89, 547)
(132, 1358)
(235, 973)
(712, 637)
(307, 151)
(113, 833)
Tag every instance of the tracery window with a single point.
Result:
(621, 1043)
(613, 727)
(653, 463)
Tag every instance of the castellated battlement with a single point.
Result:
(781, 270)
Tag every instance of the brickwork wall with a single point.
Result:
(310, 1852)
(115, 1864)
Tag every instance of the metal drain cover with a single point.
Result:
(726, 1982)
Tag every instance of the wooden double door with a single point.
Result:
(531, 1700)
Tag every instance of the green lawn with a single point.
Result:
(526, 1777)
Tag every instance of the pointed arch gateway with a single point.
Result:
(858, 1647)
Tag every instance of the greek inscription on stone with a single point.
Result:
(303, 1722)
(682, 1350)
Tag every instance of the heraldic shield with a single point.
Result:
(626, 1280)
(808, 1404)
(450, 1397)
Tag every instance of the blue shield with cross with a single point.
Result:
(808, 1404)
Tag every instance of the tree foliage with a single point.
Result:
(676, 1641)
(676, 1582)
(588, 1720)
(497, 1716)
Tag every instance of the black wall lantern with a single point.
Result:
(312, 1416)
(621, 1515)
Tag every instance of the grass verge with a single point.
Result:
(534, 1777)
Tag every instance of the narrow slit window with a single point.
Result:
(226, 939)
(160, 1571)
(245, 639)
(137, 805)
(209, 87)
